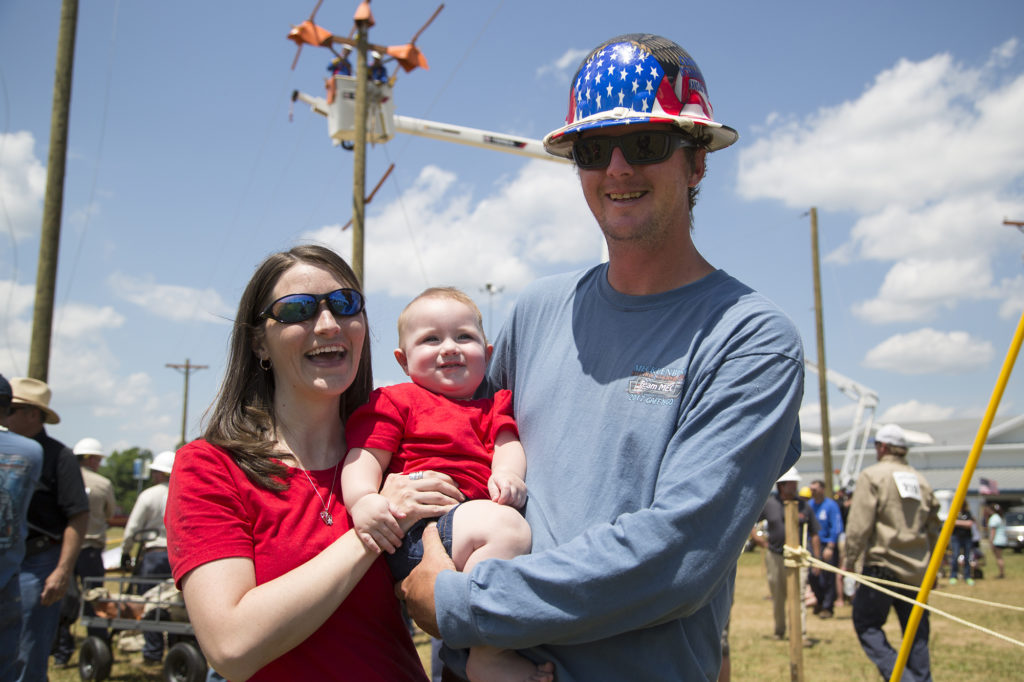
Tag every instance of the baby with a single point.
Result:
(434, 424)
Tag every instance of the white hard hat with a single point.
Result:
(163, 462)
(791, 475)
(89, 446)
(891, 434)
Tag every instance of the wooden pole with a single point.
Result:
(793, 596)
(359, 158)
(53, 203)
(186, 369)
(819, 325)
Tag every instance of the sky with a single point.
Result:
(187, 165)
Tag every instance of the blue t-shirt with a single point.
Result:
(654, 429)
(21, 460)
(830, 519)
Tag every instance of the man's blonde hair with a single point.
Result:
(450, 293)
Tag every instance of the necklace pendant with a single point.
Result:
(326, 517)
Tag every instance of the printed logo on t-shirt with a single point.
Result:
(655, 386)
(907, 485)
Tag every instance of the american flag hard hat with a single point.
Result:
(639, 78)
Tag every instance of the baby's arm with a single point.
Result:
(371, 514)
(508, 470)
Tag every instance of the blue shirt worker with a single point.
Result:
(830, 527)
(657, 398)
(57, 518)
(21, 460)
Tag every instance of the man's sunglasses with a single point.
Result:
(642, 147)
(295, 308)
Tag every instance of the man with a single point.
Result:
(102, 507)
(57, 518)
(146, 525)
(830, 527)
(774, 513)
(658, 403)
(21, 460)
(893, 525)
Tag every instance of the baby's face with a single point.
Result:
(443, 349)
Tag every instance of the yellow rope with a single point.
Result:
(799, 556)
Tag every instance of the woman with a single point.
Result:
(997, 535)
(276, 583)
(963, 545)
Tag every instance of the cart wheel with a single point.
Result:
(94, 659)
(184, 663)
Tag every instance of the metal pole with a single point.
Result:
(826, 431)
(359, 157)
(49, 238)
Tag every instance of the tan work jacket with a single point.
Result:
(894, 520)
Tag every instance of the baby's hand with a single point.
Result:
(507, 488)
(375, 524)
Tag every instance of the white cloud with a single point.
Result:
(930, 157)
(928, 351)
(22, 184)
(172, 301)
(914, 411)
(1013, 298)
(565, 66)
(920, 132)
(914, 288)
(435, 234)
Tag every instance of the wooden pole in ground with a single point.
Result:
(793, 596)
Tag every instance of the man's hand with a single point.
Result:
(507, 488)
(418, 587)
(55, 587)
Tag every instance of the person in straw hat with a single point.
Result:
(57, 519)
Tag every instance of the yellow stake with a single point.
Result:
(958, 500)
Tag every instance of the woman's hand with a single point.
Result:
(424, 497)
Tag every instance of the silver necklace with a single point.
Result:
(325, 515)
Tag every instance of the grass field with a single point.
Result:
(957, 652)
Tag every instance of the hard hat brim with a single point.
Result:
(715, 135)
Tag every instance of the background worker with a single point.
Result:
(148, 515)
(102, 507)
(773, 542)
(57, 518)
(893, 526)
(21, 460)
(830, 527)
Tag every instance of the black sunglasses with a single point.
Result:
(639, 148)
(295, 308)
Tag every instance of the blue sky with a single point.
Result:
(899, 121)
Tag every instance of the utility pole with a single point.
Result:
(185, 369)
(491, 291)
(826, 431)
(364, 20)
(49, 238)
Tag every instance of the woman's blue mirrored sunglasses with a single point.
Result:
(642, 147)
(295, 308)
